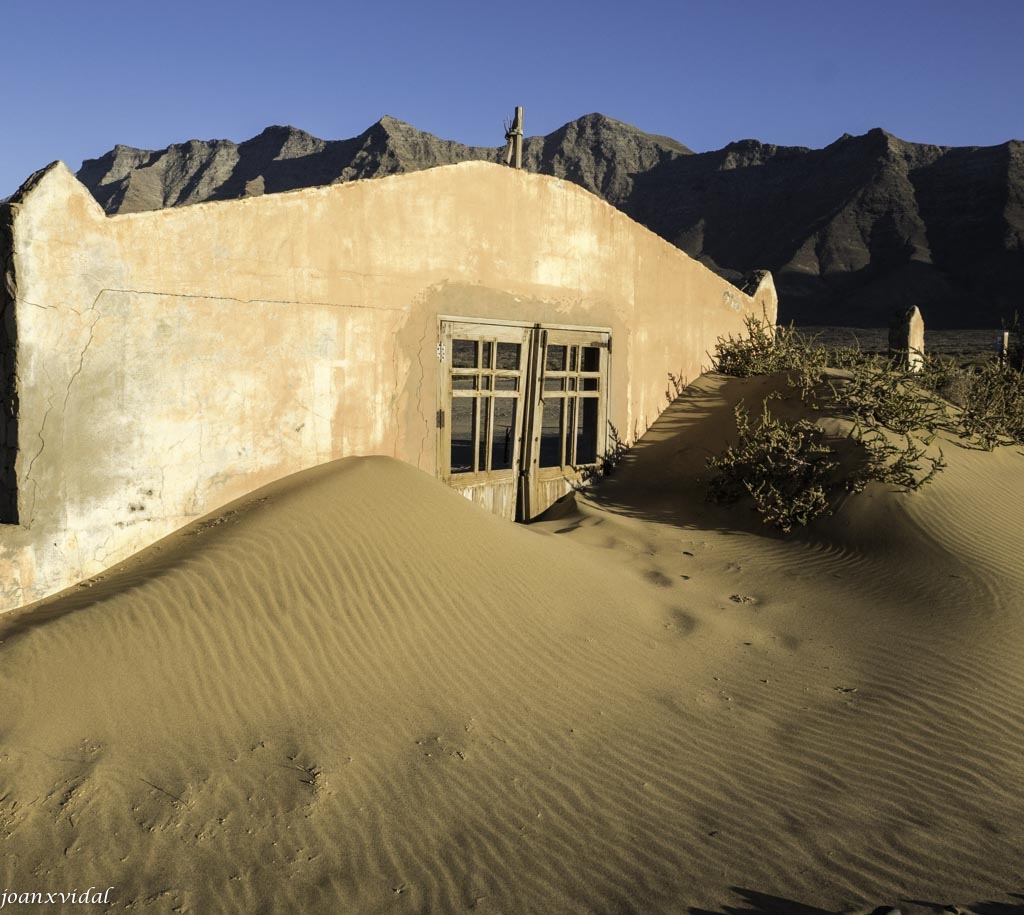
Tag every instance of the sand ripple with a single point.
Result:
(359, 693)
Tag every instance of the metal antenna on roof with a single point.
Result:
(514, 139)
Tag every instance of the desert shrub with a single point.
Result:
(889, 396)
(988, 397)
(784, 467)
(992, 412)
(789, 470)
(847, 357)
(942, 375)
(676, 386)
(615, 451)
(887, 462)
(791, 473)
(764, 350)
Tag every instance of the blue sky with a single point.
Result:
(79, 77)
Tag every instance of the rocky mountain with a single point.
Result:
(852, 232)
(127, 180)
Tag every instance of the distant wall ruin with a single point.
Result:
(168, 362)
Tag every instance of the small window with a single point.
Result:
(555, 359)
(503, 431)
(464, 354)
(509, 355)
(463, 434)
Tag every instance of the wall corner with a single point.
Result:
(8, 368)
(759, 286)
(55, 180)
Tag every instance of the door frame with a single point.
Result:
(526, 488)
(540, 486)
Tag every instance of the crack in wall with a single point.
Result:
(49, 409)
(199, 479)
(419, 387)
(105, 560)
(31, 464)
(81, 359)
(396, 398)
(226, 298)
(110, 290)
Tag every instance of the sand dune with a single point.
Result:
(355, 692)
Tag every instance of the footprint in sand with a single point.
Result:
(683, 621)
(656, 577)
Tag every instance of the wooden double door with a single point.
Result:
(523, 411)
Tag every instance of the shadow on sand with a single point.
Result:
(755, 903)
(663, 477)
(983, 908)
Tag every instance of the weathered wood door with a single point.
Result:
(567, 414)
(523, 411)
(481, 416)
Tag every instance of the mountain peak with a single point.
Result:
(598, 124)
(279, 131)
(596, 119)
(393, 127)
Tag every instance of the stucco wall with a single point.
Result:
(168, 362)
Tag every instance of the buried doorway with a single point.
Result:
(523, 411)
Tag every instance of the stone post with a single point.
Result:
(1004, 349)
(514, 140)
(906, 339)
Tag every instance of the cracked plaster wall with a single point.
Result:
(169, 362)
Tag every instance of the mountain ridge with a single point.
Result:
(852, 232)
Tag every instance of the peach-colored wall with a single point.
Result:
(171, 361)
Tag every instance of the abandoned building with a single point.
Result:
(482, 323)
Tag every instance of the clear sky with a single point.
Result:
(78, 77)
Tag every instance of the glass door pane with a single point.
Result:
(463, 434)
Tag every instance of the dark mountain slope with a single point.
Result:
(601, 154)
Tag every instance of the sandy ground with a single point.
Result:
(356, 692)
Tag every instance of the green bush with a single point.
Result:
(765, 350)
(992, 412)
(887, 462)
(615, 451)
(889, 396)
(789, 470)
(784, 467)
